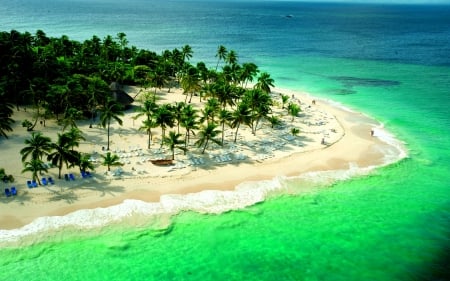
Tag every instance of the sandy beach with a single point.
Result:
(271, 153)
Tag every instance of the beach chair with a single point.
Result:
(71, 177)
(50, 180)
(66, 177)
(34, 183)
(13, 191)
(7, 192)
(44, 181)
(29, 184)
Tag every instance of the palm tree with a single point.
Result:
(63, 152)
(259, 103)
(284, 100)
(186, 52)
(6, 111)
(225, 116)
(37, 146)
(148, 108)
(221, 54)
(178, 113)
(112, 110)
(159, 78)
(173, 141)
(264, 82)
(231, 57)
(5, 177)
(98, 90)
(111, 160)
(274, 121)
(224, 92)
(239, 116)
(164, 118)
(75, 136)
(189, 122)
(293, 110)
(248, 71)
(84, 162)
(208, 133)
(147, 126)
(231, 73)
(212, 106)
(35, 166)
(203, 72)
(190, 82)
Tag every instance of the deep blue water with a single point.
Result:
(389, 61)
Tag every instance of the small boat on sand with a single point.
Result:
(162, 162)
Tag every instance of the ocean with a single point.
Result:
(391, 62)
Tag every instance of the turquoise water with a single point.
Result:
(390, 225)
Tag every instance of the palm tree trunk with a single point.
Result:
(223, 131)
(236, 133)
(107, 145)
(149, 139)
(34, 176)
(59, 168)
(186, 139)
(204, 148)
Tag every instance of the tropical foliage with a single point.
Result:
(5, 177)
(35, 167)
(68, 81)
(38, 146)
(110, 111)
(173, 141)
(63, 152)
(208, 133)
(110, 160)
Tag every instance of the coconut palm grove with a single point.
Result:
(69, 81)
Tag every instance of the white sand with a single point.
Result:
(269, 154)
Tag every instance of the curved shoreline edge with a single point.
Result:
(333, 164)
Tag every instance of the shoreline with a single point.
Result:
(212, 188)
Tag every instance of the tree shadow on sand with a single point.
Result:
(96, 187)
(21, 197)
(66, 195)
(104, 188)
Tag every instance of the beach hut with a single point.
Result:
(119, 95)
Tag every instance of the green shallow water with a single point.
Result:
(390, 225)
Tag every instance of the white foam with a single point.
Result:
(395, 150)
(208, 201)
(328, 177)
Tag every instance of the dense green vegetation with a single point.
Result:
(69, 80)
